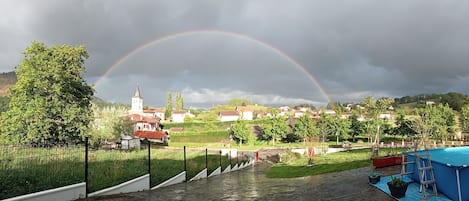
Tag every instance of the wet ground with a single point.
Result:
(251, 184)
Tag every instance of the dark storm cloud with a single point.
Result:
(354, 48)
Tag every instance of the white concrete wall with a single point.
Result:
(234, 152)
(228, 169)
(181, 177)
(71, 192)
(134, 185)
(202, 174)
(215, 172)
(234, 168)
(228, 118)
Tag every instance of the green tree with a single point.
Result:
(169, 106)
(356, 127)
(179, 102)
(109, 124)
(277, 128)
(464, 118)
(51, 102)
(305, 128)
(403, 125)
(240, 131)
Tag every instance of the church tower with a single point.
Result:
(137, 102)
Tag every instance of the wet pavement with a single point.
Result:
(251, 184)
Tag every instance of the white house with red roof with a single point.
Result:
(147, 122)
(245, 112)
(178, 116)
(228, 116)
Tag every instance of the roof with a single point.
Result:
(179, 112)
(137, 93)
(150, 134)
(228, 113)
(140, 118)
(244, 109)
(153, 111)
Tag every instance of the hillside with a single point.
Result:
(453, 99)
(7, 80)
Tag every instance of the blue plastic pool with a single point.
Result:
(450, 169)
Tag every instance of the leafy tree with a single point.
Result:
(51, 102)
(323, 125)
(356, 127)
(305, 128)
(340, 126)
(109, 124)
(4, 101)
(276, 128)
(464, 118)
(179, 103)
(435, 122)
(403, 125)
(169, 106)
(241, 131)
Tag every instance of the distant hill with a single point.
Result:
(7, 80)
(453, 99)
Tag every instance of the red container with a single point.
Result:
(387, 161)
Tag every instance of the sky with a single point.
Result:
(273, 52)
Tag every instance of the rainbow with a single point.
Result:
(217, 32)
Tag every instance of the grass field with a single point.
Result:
(27, 170)
(295, 165)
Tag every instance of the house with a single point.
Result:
(159, 113)
(245, 112)
(385, 116)
(146, 123)
(178, 116)
(298, 113)
(228, 116)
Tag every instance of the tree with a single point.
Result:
(179, 102)
(241, 131)
(276, 128)
(305, 128)
(169, 106)
(109, 124)
(403, 125)
(356, 127)
(51, 102)
(323, 125)
(464, 118)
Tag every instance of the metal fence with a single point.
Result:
(29, 169)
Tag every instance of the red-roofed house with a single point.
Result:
(147, 122)
(178, 116)
(245, 112)
(159, 113)
(228, 116)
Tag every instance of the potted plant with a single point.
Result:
(374, 178)
(398, 187)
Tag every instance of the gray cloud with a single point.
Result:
(354, 49)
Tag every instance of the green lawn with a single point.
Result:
(295, 165)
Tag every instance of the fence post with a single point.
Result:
(86, 167)
(220, 161)
(237, 158)
(185, 162)
(206, 159)
(149, 165)
(230, 158)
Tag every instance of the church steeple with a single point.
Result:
(137, 92)
(137, 102)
